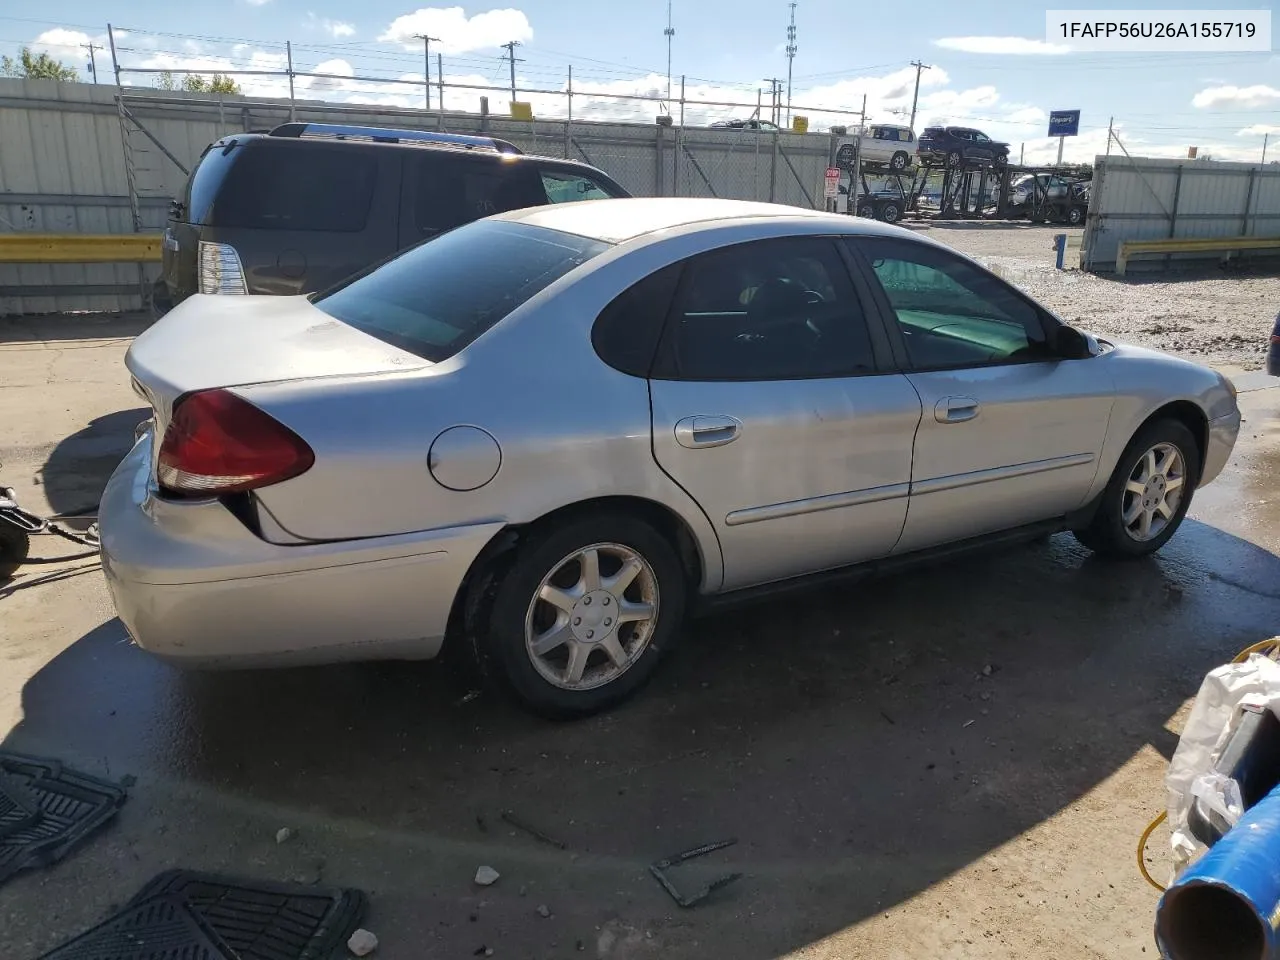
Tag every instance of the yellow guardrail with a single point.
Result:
(1191, 245)
(79, 248)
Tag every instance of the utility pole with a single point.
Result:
(915, 99)
(775, 93)
(93, 61)
(791, 56)
(426, 63)
(1265, 137)
(1110, 123)
(669, 33)
(510, 47)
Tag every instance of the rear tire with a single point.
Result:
(899, 161)
(890, 211)
(591, 645)
(954, 159)
(1144, 479)
(1075, 216)
(14, 547)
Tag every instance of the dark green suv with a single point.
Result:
(299, 208)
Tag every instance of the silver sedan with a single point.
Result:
(545, 435)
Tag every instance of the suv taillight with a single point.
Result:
(217, 443)
(220, 269)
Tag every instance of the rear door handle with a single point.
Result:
(956, 409)
(696, 432)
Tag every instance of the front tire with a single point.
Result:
(954, 159)
(890, 211)
(1148, 495)
(899, 161)
(584, 613)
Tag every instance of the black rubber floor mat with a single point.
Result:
(45, 809)
(264, 921)
(162, 928)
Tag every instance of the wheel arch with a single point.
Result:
(1191, 416)
(487, 568)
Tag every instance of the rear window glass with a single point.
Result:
(275, 185)
(436, 298)
(453, 189)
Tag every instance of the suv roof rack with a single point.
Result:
(342, 131)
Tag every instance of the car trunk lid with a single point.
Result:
(212, 341)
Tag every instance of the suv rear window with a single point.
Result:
(279, 185)
(437, 297)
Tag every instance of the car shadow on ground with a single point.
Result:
(863, 743)
(77, 469)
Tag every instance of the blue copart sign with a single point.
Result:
(1064, 123)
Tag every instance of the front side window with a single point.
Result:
(952, 314)
(274, 185)
(562, 186)
(781, 309)
(436, 298)
(981, 138)
(450, 189)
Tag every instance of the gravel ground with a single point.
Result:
(1205, 315)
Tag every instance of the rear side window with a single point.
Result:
(450, 189)
(564, 186)
(437, 297)
(627, 332)
(275, 185)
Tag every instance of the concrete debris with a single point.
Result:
(284, 835)
(362, 943)
(487, 876)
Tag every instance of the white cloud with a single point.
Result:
(338, 70)
(1256, 97)
(62, 44)
(338, 28)
(1257, 130)
(459, 33)
(257, 3)
(1019, 46)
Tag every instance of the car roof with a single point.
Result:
(266, 137)
(617, 221)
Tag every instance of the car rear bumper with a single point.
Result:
(193, 585)
(1273, 360)
(1222, 440)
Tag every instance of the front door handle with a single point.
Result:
(697, 432)
(956, 409)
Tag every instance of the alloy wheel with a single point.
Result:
(592, 616)
(1153, 493)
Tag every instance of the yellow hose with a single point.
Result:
(1271, 648)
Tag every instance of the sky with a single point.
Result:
(989, 65)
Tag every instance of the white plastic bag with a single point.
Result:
(1223, 695)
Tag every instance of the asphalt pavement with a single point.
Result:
(952, 762)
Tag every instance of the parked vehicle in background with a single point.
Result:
(546, 434)
(1273, 351)
(307, 205)
(1046, 197)
(956, 145)
(750, 123)
(882, 145)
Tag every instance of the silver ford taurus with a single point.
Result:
(545, 435)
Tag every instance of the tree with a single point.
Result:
(30, 66)
(218, 83)
(198, 83)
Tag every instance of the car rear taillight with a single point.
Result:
(217, 443)
(1275, 338)
(220, 269)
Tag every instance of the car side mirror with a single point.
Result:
(1070, 344)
